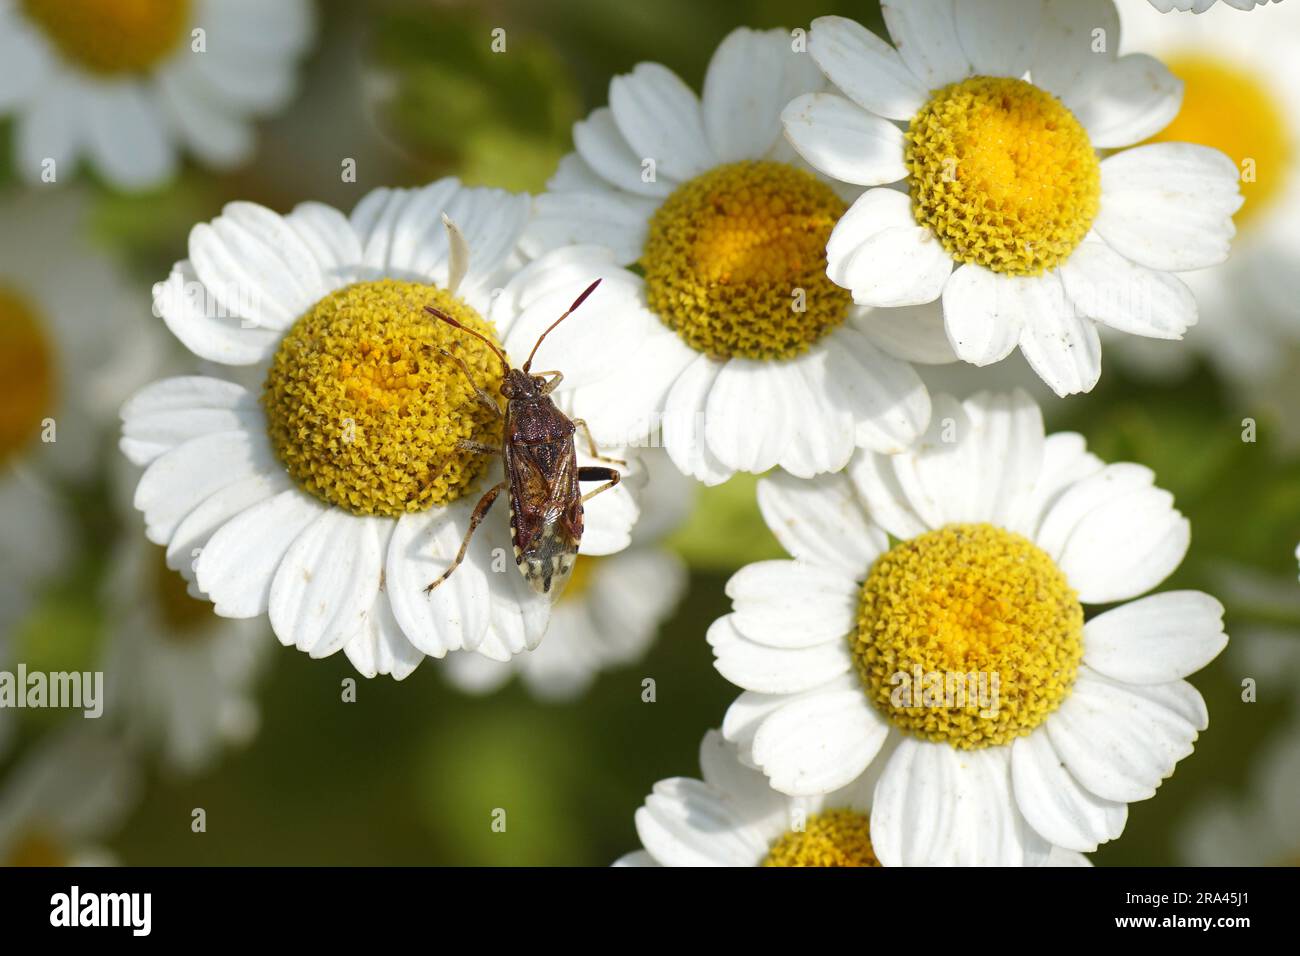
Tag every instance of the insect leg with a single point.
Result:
(591, 444)
(596, 473)
(553, 383)
(477, 447)
(475, 519)
(484, 398)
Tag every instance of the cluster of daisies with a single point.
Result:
(777, 254)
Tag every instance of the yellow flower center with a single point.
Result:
(112, 36)
(970, 634)
(1229, 108)
(36, 849)
(1002, 174)
(27, 371)
(365, 412)
(186, 618)
(830, 838)
(735, 261)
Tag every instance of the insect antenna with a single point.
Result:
(444, 317)
(567, 312)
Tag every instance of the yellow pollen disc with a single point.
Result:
(112, 36)
(36, 849)
(735, 261)
(27, 371)
(1231, 109)
(969, 634)
(186, 618)
(365, 412)
(1002, 174)
(830, 838)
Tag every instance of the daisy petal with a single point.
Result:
(326, 584)
(1105, 286)
(687, 823)
(866, 68)
(198, 527)
(754, 802)
(791, 605)
(238, 565)
(1060, 345)
(843, 140)
(821, 521)
(619, 223)
(1075, 38)
(661, 119)
(170, 412)
(998, 35)
(1120, 740)
(381, 647)
(774, 670)
(1063, 813)
(827, 444)
(912, 333)
(603, 148)
(1169, 206)
(751, 391)
(925, 35)
(819, 743)
(204, 327)
(879, 253)
(684, 423)
(875, 480)
(984, 313)
(1157, 639)
(1129, 100)
(1007, 428)
(127, 136)
(638, 858)
(753, 74)
(885, 396)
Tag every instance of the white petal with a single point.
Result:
(238, 565)
(751, 77)
(774, 670)
(1066, 461)
(382, 648)
(887, 502)
(1007, 429)
(684, 423)
(600, 144)
(127, 138)
(24, 64)
(826, 441)
(895, 262)
(1066, 52)
(866, 68)
(1062, 812)
(638, 858)
(218, 137)
(1157, 639)
(821, 742)
(1120, 740)
(998, 36)
(1060, 345)
(51, 127)
(1105, 286)
(984, 313)
(913, 333)
(747, 422)
(925, 35)
(1128, 101)
(1169, 206)
(939, 806)
(194, 532)
(329, 235)
(843, 140)
(455, 614)
(661, 119)
(886, 397)
(821, 521)
(170, 412)
(610, 515)
(206, 328)
(745, 789)
(568, 218)
(791, 605)
(687, 823)
(327, 583)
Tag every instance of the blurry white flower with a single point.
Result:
(129, 85)
(1009, 214)
(935, 608)
(1201, 6)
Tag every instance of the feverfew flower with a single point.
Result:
(933, 619)
(129, 84)
(734, 348)
(1009, 214)
(333, 496)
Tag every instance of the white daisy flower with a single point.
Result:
(60, 800)
(1239, 75)
(937, 600)
(177, 676)
(129, 85)
(1201, 6)
(734, 343)
(334, 496)
(733, 818)
(609, 614)
(1258, 829)
(71, 348)
(1028, 236)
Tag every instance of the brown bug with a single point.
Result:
(541, 467)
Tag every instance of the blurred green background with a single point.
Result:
(411, 772)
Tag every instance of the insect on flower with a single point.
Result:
(541, 467)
